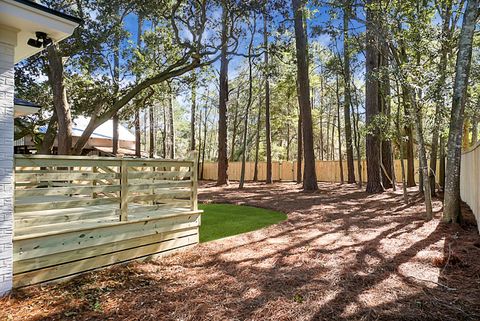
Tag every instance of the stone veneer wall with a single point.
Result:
(6, 165)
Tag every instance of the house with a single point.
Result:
(24, 108)
(99, 144)
(25, 29)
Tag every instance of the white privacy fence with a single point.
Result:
(470, 180)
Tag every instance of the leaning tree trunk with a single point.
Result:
(222, 175)
(422, 155)
(309, 175)
(347, 93)
(60, 102)
(451, 212)
(372, 108)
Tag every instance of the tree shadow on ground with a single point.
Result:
(341, 255)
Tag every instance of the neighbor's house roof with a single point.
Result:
(104, 131)
(23, 107)
(25, 17)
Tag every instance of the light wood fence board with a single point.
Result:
(35, 245)
(78, 254)
(67, 212)
(91, 263)
(326, 171)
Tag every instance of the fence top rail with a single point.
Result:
(472, 148)
(99, 158)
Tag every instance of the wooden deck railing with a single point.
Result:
(73, 214)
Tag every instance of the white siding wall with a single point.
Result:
(6, 165)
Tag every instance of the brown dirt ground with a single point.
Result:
(341, 255)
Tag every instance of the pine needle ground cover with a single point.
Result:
(223, 220)
(342, 254)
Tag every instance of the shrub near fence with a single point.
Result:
(327, 171)
(470, 180)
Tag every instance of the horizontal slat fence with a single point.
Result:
(327, 171)
(470, 180)
(73, 214)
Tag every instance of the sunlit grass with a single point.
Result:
(222, 220)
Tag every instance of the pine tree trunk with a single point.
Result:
(309, 175)
(321, 110)
(204, 136)
(423, 161)
(268, 134)
(356, 135)
(235, 126)
(288, 142)
(439, 96)
(441, 174)
(165, 133)
(193, 110)
(249, 103)
(347, 92)
(409, 144)
(138, 145)
(372, 108)
(116, 76)
(115, 121)
(171, 123)
(60, 102)
(257, 139)
(151, 153)
(340, 158)
(222, 175)
(451, 211)
(138, 133)
(402, 153)
(299, 147)
(474, 130)
(388, 173)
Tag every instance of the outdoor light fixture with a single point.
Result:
(42, 40)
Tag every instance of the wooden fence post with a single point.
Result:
(94, 182)
(280, 164)
(123, 191)
(194, 200)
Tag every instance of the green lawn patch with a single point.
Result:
(222, 220)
